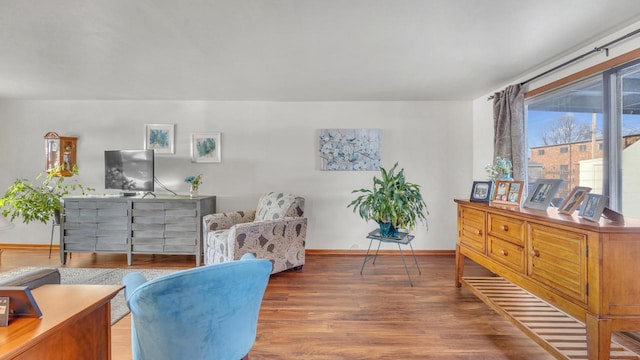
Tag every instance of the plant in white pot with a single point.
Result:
(393, 202)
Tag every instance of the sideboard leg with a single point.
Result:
(598, 338)
(459, 266)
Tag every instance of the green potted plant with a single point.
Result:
(39, 200)
(393, 202)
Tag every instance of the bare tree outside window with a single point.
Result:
(567, 130)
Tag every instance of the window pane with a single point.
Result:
(630, 134)
(564, 135)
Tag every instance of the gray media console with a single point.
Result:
(134, 225)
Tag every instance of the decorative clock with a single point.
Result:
(60, 152)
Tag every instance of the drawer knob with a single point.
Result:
(479, 232)
(535, 253)
(505, 228)
(504, 252)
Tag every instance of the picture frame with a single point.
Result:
(573, 200)
(592, 207)
(160, 138)
(206, 147)
(508, 192)
(481, 191)
(21, 302)
(543, 192)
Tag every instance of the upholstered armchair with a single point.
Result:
(275, 231)
(208, 312)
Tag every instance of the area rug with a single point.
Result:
(99, 276)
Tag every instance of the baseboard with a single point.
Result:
(381, 252)
(308, 251)
(29, 246)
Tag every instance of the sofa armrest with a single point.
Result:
(223, 221)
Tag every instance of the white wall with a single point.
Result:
(266, 146)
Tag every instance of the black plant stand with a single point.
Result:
(403, 238)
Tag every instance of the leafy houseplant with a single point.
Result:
(393, 202)
(39, 201)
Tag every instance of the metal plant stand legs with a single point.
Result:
(402, 239)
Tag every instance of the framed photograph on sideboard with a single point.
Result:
(543, 192)
(481, 191)
(508, 192)
(592, 207)
(573, 200)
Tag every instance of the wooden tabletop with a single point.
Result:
(59, 304)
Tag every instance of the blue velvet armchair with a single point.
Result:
(208, 312)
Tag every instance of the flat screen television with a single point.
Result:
(129, 170)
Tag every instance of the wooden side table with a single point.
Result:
(75, 324)
(403, 238)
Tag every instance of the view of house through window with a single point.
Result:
(567, 137)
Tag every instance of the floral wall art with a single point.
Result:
(350, 149)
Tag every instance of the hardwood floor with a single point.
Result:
(328, 310)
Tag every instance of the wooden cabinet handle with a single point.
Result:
(504, 252)
(505, 228)
(535, 253)
(479, 232)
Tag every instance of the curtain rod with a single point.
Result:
(604, 47)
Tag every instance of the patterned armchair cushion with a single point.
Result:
(221, 221)
(273, 206)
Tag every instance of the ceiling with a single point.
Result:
(289, 50)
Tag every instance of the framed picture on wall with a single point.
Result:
(481, 191)
(543, 192)
(160, 138)
(206, 147)
(573, 200)
(592, 207)
(508, 192)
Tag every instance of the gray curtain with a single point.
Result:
(508, 125)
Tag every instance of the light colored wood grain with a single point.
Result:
(328, 311)
(75, 323)
(586, 269)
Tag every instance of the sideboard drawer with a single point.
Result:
(507, 253)
(472, 229)
(509, 229)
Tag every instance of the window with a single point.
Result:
(557, 120)
(586, 142)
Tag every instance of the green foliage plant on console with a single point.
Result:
(40, 199)
(393, 202)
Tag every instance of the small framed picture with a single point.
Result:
(573, 200)
(206, 147)
(592, 207)
(543, 192)
(508, 192)
(160, 138)
(481, 191)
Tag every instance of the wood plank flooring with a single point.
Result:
(328, 310)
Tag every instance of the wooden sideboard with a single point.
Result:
(134, 225)
(75, 324)
(589, 270)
